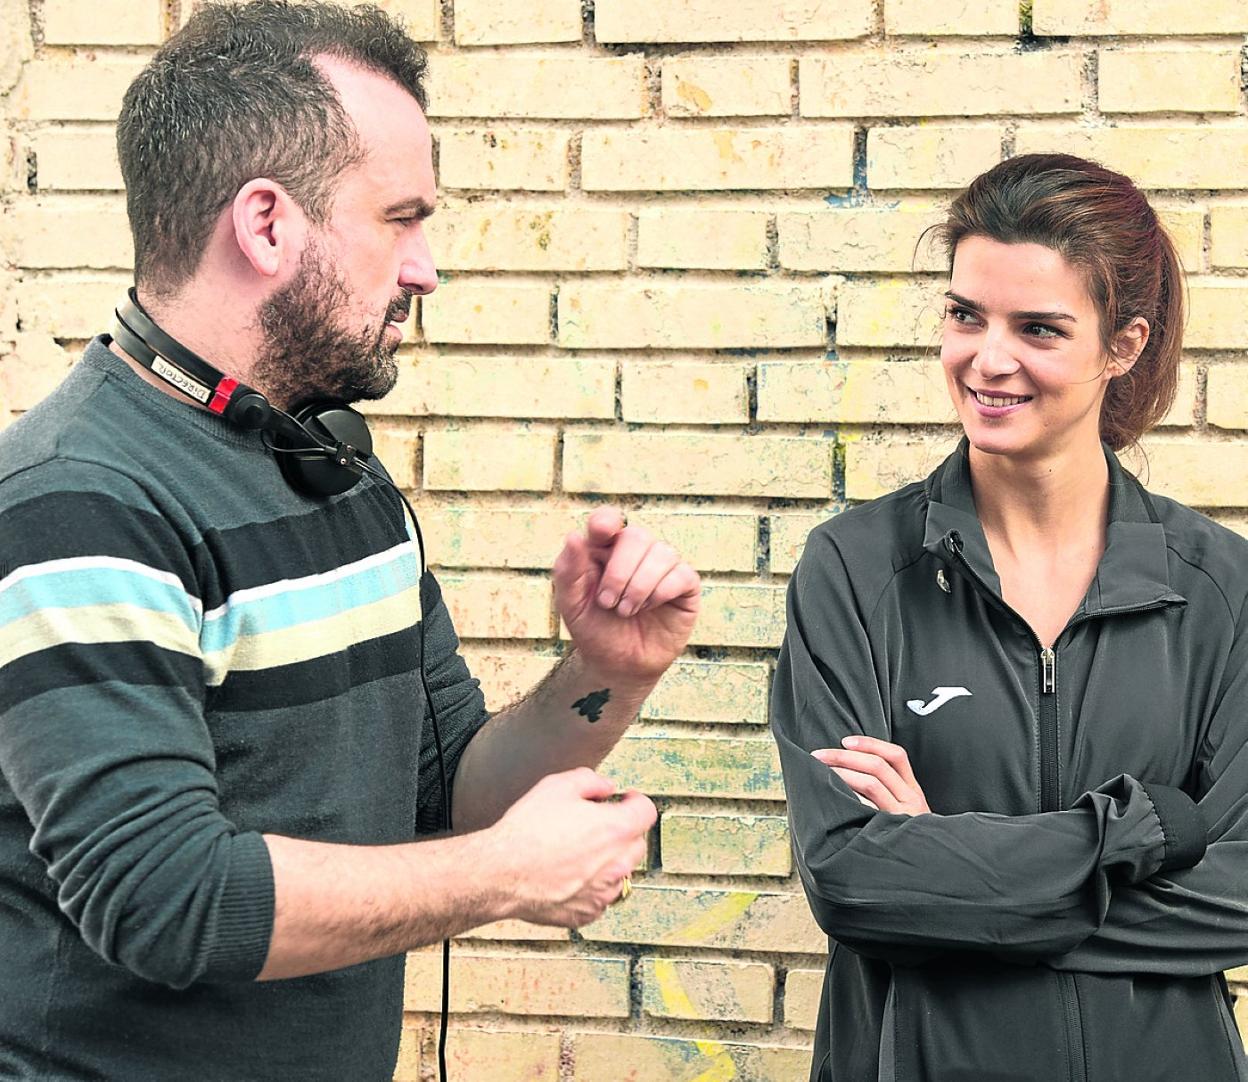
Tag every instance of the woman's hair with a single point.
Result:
(1101, 224)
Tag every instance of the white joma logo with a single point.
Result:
(943, 695)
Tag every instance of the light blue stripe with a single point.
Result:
(303, 605)
(88, 587)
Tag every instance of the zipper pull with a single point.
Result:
(1048, 669)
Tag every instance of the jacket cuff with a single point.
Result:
(1182, 823)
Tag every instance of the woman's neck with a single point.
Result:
(1054, 503)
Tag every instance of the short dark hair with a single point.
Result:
(1100, 222)
(234, 95)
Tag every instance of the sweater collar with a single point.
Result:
(1133, 571)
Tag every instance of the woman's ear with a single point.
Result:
(269, 226)
(1127, 346)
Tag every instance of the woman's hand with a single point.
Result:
(878, 772)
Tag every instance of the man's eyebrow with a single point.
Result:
(974, 306)
(416, 205)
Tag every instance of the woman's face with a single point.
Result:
(1021, 348)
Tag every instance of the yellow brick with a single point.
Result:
(717, 159)
(422, 18)
(697, 989)
(546, 85)
(1186, 226)
(861, 239)
(69, 305)
(1227, 395)
(599, 1056)
(506, 677)
(788, 538)
(1094, 17)
(945, 81)
(33, 371)
(493, 236)
(103, 22)
(631, 316)
(672, 392)
(897, 312)
(713, 239)
(529, 159)
(522, 1056)
(16, 41)
(503, 22)
(744, 615)
(73, 88)
(515, 386)
(1229, 234)
(696, 465)
(1199, 473)
(396, 447)
(726, 86)
(802, 989)
(931, 156)
(1183, 412)
(522, 984)
(854, 392)
(711, 691)
(704, 843)
(1218, 315)
(707, 540)
(408, 1067)
(744, 20)
(727, 920)
(487, 313)
(714, 766)
(71, 231)
(1201, 80)
(499, 606)
(490, 458)
(83, 159)
(1152, 155)
(875, 467)
(960, 19)
(516, 931)
(528, 538)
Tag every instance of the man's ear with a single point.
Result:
(269, 226)
(1127, 346)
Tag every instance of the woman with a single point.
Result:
(1012, 702)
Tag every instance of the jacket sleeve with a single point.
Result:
(103, 740)
(1194, 921)
(902, 887)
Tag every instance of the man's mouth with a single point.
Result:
(999, 400)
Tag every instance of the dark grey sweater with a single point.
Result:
(192, 654)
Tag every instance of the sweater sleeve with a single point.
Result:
(457, 700)
(902, 887)
(103, 739)
(1192, 921)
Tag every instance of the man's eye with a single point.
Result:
(959, 314)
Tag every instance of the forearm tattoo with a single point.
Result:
(591, 705)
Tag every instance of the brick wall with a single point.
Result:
(677, 242)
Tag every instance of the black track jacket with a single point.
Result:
(1059, 917)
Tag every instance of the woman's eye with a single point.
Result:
(1042, 330)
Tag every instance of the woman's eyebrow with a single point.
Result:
(974, 306)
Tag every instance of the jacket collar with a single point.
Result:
(1133, 571)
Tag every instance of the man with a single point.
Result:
(215, 747)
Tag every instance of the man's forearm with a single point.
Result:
(572, 718)
(339, 905)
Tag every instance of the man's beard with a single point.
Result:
(307, 352)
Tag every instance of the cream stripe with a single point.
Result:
(282, 586)
(286, 646)
(95, 624)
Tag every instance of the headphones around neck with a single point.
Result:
(322, 450)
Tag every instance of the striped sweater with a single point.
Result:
(191, 654)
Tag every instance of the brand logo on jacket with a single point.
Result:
(943, 695)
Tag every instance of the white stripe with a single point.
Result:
(92, 563)
(282, 586)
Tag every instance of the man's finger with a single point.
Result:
(627, 553)
(603, 524)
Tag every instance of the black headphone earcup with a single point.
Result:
(322, 472)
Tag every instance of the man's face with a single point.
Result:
(332, 330)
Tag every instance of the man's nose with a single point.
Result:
(417, 273)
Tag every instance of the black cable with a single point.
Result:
(424, 684)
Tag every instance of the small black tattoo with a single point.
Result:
(591, 706)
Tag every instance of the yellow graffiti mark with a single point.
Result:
(677, 1002)
(715, 919)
